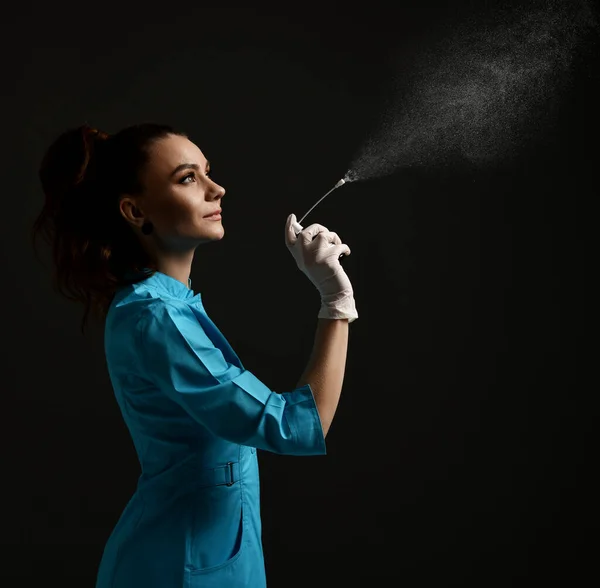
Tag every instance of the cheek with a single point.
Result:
(187, 207)
(192, 213)
(182, 210)
(177, 214)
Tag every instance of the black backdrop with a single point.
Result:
(458, 453)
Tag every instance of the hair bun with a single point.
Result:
(66, 165)
(95, 133)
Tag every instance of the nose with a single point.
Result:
(217, 190)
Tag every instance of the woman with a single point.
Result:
(124, 214)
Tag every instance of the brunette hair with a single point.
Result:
(95, 251)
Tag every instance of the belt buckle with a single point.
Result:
(231, 482)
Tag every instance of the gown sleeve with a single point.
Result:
(231, 402)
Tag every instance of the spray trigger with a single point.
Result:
(297, 228)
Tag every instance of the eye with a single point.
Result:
(190, 175)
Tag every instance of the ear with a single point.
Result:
(130, 211)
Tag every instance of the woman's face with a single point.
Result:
(179, 195)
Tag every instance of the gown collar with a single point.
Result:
(172, 286)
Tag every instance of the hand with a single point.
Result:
(317, 252)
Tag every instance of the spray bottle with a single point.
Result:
(298, 227)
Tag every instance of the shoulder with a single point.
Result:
(163, 309)
(139, 313)
(160, 317)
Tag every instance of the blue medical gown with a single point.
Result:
(196, 417)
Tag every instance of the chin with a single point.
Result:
(215, 235)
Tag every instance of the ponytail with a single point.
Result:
(83, 174)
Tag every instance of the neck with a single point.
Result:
(179, 268)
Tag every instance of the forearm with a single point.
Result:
(326, 367)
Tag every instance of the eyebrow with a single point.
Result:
(195, 166)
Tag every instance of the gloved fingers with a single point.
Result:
(290, 231)
(328, 237)
(334, 238)
(310, 232)
(342, 249)
(334, 252)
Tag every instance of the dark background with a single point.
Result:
(459, 455)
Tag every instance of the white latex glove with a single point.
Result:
(317, 252)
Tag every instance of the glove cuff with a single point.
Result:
(340, 306)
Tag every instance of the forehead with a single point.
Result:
(169, 152)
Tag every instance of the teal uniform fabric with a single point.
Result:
(196, 417)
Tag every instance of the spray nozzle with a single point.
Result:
(340, 183)
(298, 226)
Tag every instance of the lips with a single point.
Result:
(218, 211)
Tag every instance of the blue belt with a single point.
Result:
(173, 486)
(226, 475)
